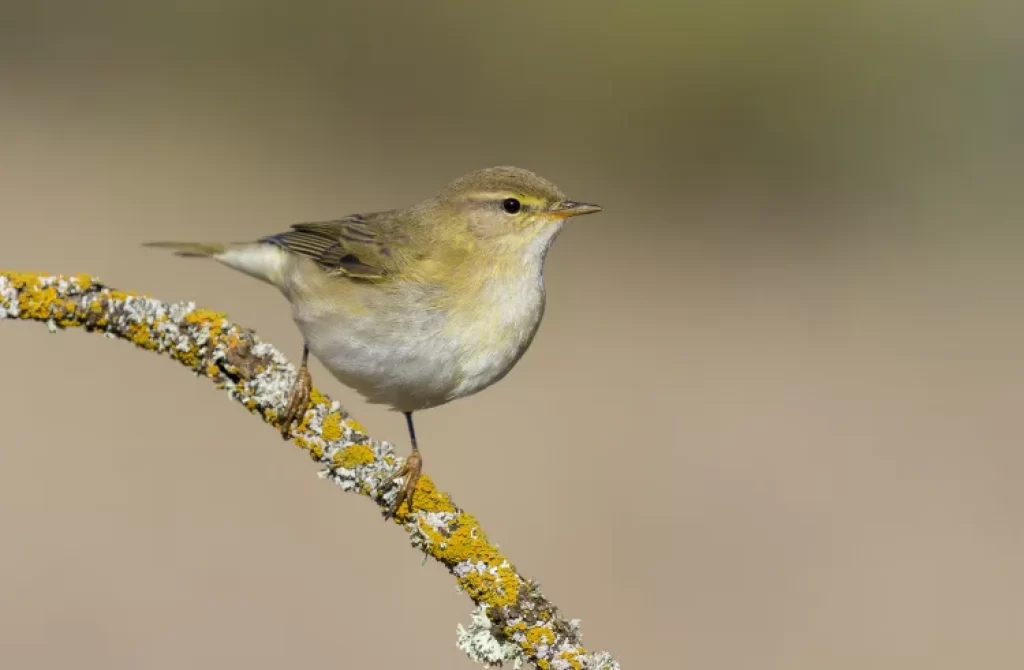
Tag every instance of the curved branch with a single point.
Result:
(513, 622)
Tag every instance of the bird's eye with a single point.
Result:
(511, 205)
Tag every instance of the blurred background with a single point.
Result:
(772, 418)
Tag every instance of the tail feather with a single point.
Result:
(190, 249)
(265, 262)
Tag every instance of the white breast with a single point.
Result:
(511, 309)
(502, 332)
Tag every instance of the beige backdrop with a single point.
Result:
(772, 419)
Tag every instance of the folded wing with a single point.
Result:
(355, 246)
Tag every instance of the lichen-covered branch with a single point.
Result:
(513, 623)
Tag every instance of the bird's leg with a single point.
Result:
(410, 470)
(298, 398)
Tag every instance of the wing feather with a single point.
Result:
(353, 246)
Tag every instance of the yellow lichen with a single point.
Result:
(210, 319)
(22, 280)
(572, 658)
(202, 316)
(190, 357)
(539, 635)
(37, 303)
(353, 456)
(304, 422)
(141, 335)
(122, 296)
(331, 428)
(489, 589)
(98, 314)
(316, 398)
(498, 586)
(429, 499)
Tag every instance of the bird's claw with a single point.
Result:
(410, 471)
(298, 401)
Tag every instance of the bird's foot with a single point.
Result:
(410, 471)
(298, 400)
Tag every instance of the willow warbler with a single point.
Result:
(414, 307)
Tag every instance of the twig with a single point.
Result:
(513, 621)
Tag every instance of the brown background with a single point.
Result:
(772, 419)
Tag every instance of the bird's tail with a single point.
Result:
(265, 262)
(190, 249)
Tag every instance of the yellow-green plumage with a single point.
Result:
(419, 306)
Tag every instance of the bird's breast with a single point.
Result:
(414, 346)
(496, 331)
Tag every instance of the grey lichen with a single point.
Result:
(9, 307)
(480, 644)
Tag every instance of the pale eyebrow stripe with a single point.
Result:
(501, 195)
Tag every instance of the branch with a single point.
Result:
(513, 621)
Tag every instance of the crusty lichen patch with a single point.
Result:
(526, 625)
(352, 457)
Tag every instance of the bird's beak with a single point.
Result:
(567, 208)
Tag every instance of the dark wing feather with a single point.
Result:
(351, 246)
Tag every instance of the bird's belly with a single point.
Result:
(487, 358)
(422, 362)
(409, 366)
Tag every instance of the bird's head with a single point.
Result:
(506, 206)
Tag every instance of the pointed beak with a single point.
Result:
(567, 208)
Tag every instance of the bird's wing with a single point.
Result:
(355, 246)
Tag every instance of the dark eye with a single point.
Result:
(511, 205)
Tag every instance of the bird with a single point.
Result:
(418, 306)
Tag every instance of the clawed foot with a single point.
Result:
(298, 400)
(410, 470)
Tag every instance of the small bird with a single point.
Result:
(414, 307)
